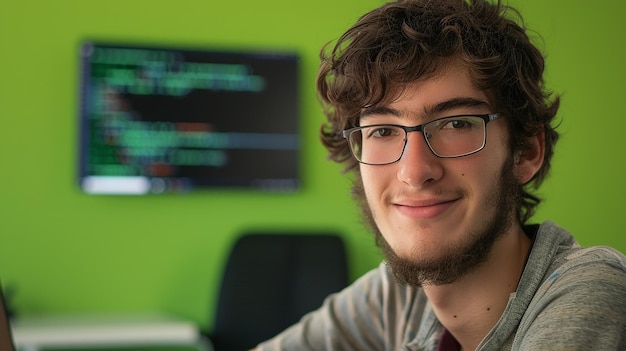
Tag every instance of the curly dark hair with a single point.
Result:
(406, 40)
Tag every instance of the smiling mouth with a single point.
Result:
(426, 210)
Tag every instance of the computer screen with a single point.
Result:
(159, 119)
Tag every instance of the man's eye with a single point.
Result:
(382, 132)
(457, 124)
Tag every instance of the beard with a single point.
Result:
(463, 258)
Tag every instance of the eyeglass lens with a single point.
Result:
(446, 137)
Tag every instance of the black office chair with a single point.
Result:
(6, 336)
(271, 281)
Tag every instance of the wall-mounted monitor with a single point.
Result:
(167, 119)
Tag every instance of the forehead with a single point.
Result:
(450, 91)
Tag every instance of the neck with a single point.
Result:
(471, 306)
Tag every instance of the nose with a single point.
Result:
(418, 165)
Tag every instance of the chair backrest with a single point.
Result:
(6, 339)
(271, 280)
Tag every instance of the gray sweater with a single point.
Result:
(568, 298)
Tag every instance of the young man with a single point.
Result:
(439, 109)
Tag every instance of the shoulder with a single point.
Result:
(584, 289)
(556, 254)
(598, 254)
(373, 313)
(592, 266)
(586, 273)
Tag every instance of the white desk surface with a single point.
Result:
(31, 333)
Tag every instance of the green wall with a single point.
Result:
(64, 251)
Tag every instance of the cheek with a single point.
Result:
(369, 180)
(376, 181)
(474, 174)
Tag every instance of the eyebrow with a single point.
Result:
(429, 110)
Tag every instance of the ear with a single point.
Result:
(529, 160)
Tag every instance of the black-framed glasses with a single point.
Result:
(447, 137)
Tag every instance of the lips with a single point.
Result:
(424, 209)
